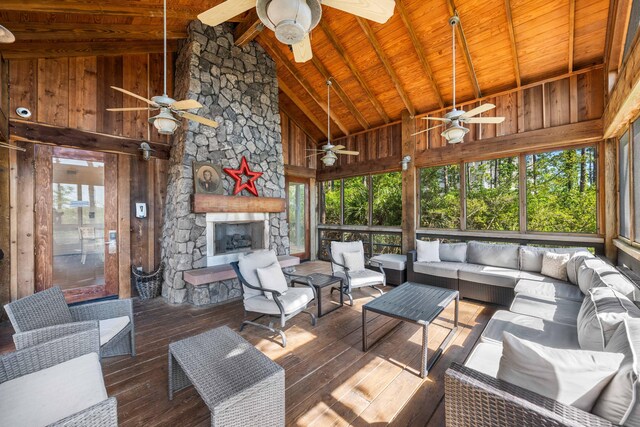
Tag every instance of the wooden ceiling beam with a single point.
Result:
(248, 30)
(333, 40)
(366, 28)
(617, 27)
(512, 39)
(302, 106)
(462, 41)
(40, 31)
(417, 45)
(27, 50)
(341, 93)
(279, 56)
(572, 31)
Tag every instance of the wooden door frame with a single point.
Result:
(307, 214)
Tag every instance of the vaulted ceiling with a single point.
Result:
(379, 70)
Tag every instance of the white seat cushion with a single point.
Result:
(550, 334)
(249, 263)
(489, 275)
(358, 279)
(549, 289)
(440, 269)
(339, 248)
(44, 397)
(109, 328)
(293, 300)
(392, 261)
(485, 358)
(559, 310)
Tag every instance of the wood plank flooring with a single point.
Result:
(329, 380)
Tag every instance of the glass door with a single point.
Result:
(298, 194)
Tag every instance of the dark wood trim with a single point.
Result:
(248, 30)
(514, 46)
(111, 222)
(203, 203)
(572, 31)
(299, 172)
(124, 225)
(43, 229)
(56, 31)
(307, 214)
(387, 164)
(67, 137)
(409, 190)
(290, 93)
(48, 49)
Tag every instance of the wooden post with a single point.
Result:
(409, 188)
(124, 232)
(611, 201)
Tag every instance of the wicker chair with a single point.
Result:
(473, 399)
(283, 306)
(45, 316)
(355, 279)
(31, 360)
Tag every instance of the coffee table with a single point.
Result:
(415, 303)
(322, 281)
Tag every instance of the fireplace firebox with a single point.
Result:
(230, 234)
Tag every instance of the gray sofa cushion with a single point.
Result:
(454, 252)
(531, 256)
(391, 261)
(574, 263)
(485, 358)
(588, 269)
(489, 275)
(497, 255)
(548, 289)
(559, 310)
(440, 269)
(545, 332)
(616, 280)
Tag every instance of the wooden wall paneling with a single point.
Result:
(23, 82)
(110, 74)
(23, 264)
(135, 74)
(5, 227)
(521, 125)
(590, 95)
(140, 187)
(507, 107)
(53, 91)
(573, 99)
(150, 244)
(83, 83)
(112, 222)
(533, 108)
(155, 88)
(284, 131)
(384, 144)
(487, 130)
(4, 99)
(43, 218)
(557, 98)
(160, 190)
(122, 262)
(409, 191)
(611, 201)
(13, 221)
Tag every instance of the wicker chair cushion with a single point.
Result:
(497, 255)
(294, 300)
(358, 279)
(560, 310)
(42, 309)
(248, 265)
(453, 252)
(272, 277)
(485, 358)
(109, 328)
(548, 289)
(574, 263)
(339, 248)
(49, 395)
(440, 269)
(428, 251)
(489, 275)
(620, 400)
(531, 256)
(602, 311)
(354, 260)
(572, 377)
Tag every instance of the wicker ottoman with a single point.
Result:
(395, 267)
(240, 385)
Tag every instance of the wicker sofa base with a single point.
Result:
(487, 293)
(428, 279)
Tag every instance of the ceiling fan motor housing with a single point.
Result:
(291, 20)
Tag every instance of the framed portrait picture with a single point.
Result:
(207, 178)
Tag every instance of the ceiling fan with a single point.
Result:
(330, 150)
(455, 119)
(293, 20)
(165, 122)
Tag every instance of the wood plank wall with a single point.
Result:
(295, 143)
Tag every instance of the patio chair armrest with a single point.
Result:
(102, 310)
(475, 399)
(45, 355)
(373, 263)
(303, 280)
(103, 414)
(28, 339)
(333, 261)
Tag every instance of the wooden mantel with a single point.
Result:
(206, 203)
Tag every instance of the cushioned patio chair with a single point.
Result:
(267, 300)
(45, 315)
(349, 262)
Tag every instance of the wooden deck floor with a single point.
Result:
(329, 380)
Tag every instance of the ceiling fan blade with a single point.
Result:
(199, 119)
(440, 119)
(11, 147)
(428, 129)
(141, 98)
(225, 11)
(484, 120)
(131, 109)
(479, 109)
(187, 104)
(348, 153)
(375, 10)
(338, 147)
(302, 50)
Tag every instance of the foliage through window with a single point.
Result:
(356, 200)
(387, 199)
(440, 197)
(623, 184)
(330, 205)
(561, 191)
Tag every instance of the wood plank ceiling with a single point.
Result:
(379, 70)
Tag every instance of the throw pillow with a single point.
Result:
(272, 277)
(453, 252)
(602, 311)
(573, 264)
(555, 265)
(573, 377)
(354, 260)
(428, 251)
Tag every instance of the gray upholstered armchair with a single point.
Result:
(45, 316)
(349, 263)
(274, 304)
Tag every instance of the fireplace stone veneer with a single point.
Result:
(238, 88)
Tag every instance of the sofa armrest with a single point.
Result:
(102, 310)
(103, 414)
(412, 256)
(45, 355)
(27, 339)
(475, 399)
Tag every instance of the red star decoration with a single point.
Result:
(237, 174)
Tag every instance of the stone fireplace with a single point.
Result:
(238, 88)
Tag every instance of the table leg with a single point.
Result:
(365, 345)
(424, 368)
(455, 324)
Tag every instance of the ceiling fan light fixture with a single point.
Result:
(291, 19)
(455, 133)
(329, 159)
(164, 122)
